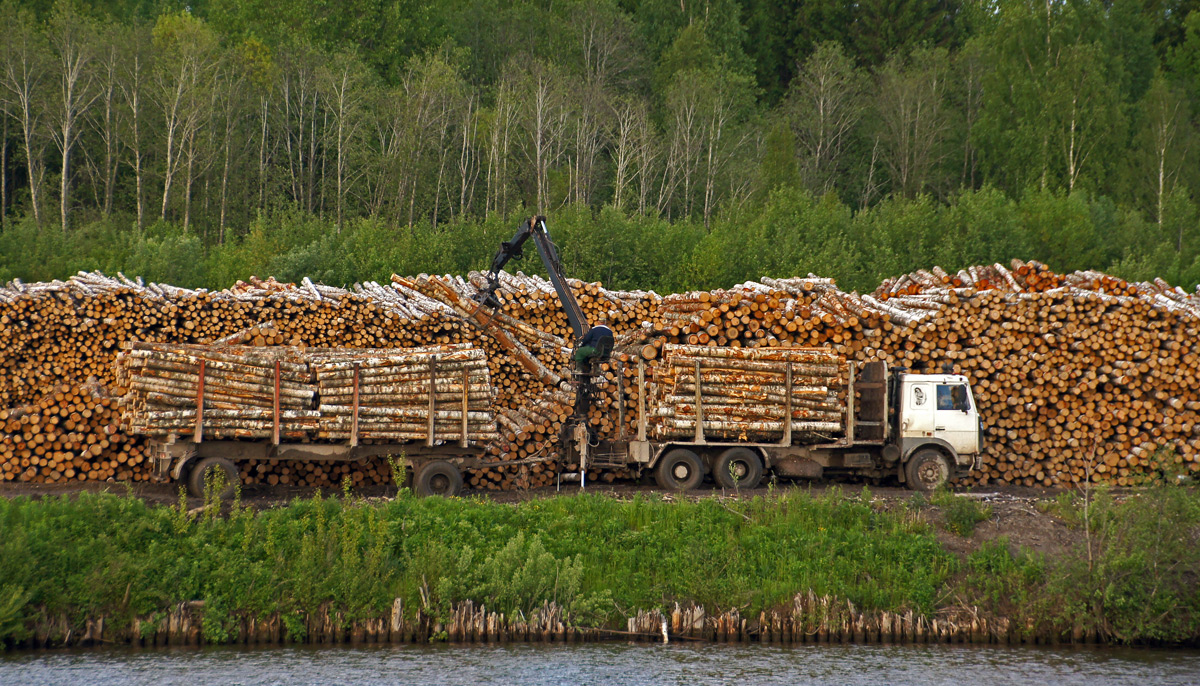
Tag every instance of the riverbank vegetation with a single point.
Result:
(68, 559)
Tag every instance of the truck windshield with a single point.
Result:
(952, 397)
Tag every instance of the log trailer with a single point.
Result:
(924, 429)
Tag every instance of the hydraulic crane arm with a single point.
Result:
(589, 348)
(535, 228)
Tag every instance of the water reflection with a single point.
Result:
(612, 663)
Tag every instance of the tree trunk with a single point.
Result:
(4, 175)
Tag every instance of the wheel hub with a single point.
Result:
(439, 483)
(930, 473)
(681, 471)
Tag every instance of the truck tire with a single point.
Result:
(679, 470)
(738, 468)
(200, 470)
(927, 470)
(438, 478)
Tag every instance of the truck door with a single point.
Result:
(955, 419)
(918, 414)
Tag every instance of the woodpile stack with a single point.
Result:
(215, 392)
(1077, 375)
(747, 394)
(434, 393)
(70, 434)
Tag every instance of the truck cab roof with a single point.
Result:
(936, 378)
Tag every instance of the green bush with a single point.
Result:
(959, 514)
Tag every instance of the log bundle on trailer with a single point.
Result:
(1077, 375)
(215, 392)
(747, 396)
(438, 393)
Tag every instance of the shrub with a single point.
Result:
(959, 514)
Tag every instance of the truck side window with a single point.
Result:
(952, 397)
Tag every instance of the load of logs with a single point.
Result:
(1078, 376)
(371, 395)
(436, 393)
(214, 392)
(730, 394)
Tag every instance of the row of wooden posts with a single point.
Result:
(810, 619)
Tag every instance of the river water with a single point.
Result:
(607, 663)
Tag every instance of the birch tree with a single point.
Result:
(73, 42)
(106, 119)
(543, 99)
(180, 79)
(630, 117)
(133, 82)
(298, 104)
(24, 76)
(501, 126)
(1165, 138)
(344, 84)
(1083, 108)
(824, 106)
(914, 118)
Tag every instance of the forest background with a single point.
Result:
(674, 144)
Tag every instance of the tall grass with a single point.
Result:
(115, 556)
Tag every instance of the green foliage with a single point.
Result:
(1139, 579)
(101, 554)
(346, 141)
(1010, 585)
(116, 556)
(1132, 578)
(960, 514)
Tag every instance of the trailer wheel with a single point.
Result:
(927, 470)
(438, 478)
(200, 471)
(679, 470)
(738, 468)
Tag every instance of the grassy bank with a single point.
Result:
(599, 558)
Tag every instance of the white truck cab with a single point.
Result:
(938, 411)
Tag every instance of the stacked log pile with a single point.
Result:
(433, 393)
(747, 395)
(1077, 375)
(222, 392)
(70, 434)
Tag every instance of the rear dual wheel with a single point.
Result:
(738, 468)
(217, 471)
(679, 470)
(438, 478)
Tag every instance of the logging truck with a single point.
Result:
(804, 414)
(924, 429)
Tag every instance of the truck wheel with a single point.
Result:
(679, 470)
(438, 478)
(212, 465)
(927, 470)
(738, 468)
